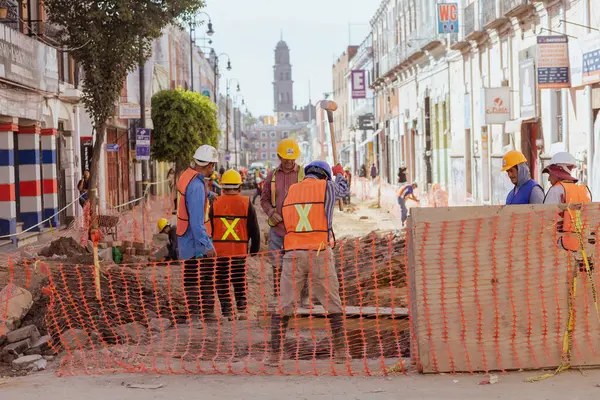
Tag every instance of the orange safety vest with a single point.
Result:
(304, 216)
(182, 214)
(230, 225)
(574, 194)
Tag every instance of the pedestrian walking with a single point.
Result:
(526, 190)
(308, 220)
(235, 232)
(374, 171)
(195, 244)
(406, 192)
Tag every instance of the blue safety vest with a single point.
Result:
(523, 194)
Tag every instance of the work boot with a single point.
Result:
(279, 326)
(241, 316)
(341, 351)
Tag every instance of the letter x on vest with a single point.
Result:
(303, 224)
(230, 229)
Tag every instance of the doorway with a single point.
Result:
(529, 135)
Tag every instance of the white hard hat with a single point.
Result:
(206, 154)
(563, 158)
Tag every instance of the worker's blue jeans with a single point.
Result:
(402, 203)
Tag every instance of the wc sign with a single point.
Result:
(448, 18)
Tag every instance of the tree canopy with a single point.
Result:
(109, 39)
(183, 121)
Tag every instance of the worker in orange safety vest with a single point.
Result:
(566, 190)
(194, 242)
(307, 214)
(235, 232)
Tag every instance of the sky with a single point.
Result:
(317, 32)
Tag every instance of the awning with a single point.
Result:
(514, 125)
(369, 139)
(347, 148)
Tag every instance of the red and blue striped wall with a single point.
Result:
(49, 186)
(8, 205)
(30, 188)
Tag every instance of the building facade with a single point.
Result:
(39, 127)
(430, 90)
(341, 120)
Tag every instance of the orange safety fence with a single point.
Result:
(463, 289)
(216, 315)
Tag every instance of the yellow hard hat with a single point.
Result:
(231, 177)
(288, 149)
(162, 224)
(511, 159)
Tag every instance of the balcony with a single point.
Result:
(490, 18)
(473, 30)
(513, 8)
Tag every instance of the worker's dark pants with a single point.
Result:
(203, 277)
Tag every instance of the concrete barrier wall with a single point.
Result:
(490, 289)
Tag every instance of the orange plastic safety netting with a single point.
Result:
(218, 315)
(464, 289)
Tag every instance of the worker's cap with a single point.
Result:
(561, 172)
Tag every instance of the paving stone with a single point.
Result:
(25, 361)
(18, 348)
(159, 324)
(26, 332)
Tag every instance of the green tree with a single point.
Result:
(183, 121)
(109, 39)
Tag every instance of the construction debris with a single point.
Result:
(15, 303)
(63, 246)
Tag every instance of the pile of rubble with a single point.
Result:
(22, 348)
(372, 270)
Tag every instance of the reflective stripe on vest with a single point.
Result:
(230, 225)
(574, 194)
(304, 216)
(274, 188)
(182, 213)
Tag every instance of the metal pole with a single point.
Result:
(227, 123)
(143, 125)
(191, 56)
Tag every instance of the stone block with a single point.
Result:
(15, 303)
(159, 324)
(2, 339)
(74, 339)
(25, 361)
(42, 343)
(138, 245)
(26, 332)
(18, 348)
(131, 333)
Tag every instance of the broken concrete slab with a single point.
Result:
(15, 303)
(43, 343)
(18, 348)
(2, 339)
(133, 332)
(73, 339)
(39, 365)
(26, 332)
(25, 361)
(159, 324)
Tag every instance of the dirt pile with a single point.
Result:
(371, 270)
(64, 246)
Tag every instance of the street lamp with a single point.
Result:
(209, 32)
(228, 81)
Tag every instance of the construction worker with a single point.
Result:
(565, 190)
(277, 184)
(195, 244)
(406, 192)
(234, 225)
(526, 190)
(308, 221)
(164, 227)
(348, 176)
(213, 183)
